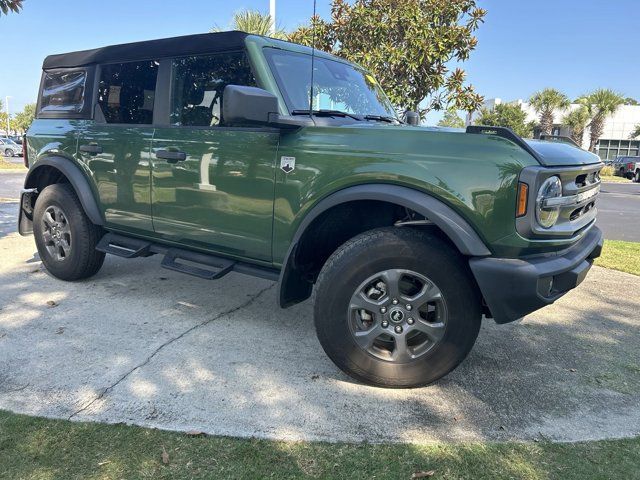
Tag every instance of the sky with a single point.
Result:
(523, 46)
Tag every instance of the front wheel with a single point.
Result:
(8, 153)
(65, 237)
(397, 307)
(636, 177)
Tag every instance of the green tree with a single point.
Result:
(451, 119)
(600, 104)
(545, 102)
(252, 21)
(507, 115)
(408, 45)
(577, 120)
(630, 101)
(7, 6)
(23, 120)
(636, 132)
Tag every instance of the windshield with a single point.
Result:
(336, 85)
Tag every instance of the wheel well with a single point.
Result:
(44, 176)
(333, 228)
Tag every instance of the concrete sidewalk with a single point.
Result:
(140, 344)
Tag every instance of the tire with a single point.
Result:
(75, 256)
(636, 177)
(8, 152)
(424, 255)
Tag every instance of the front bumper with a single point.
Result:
(515, 287)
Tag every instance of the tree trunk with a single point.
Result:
(546, 123)
(597, 127)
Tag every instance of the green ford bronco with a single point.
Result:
(204, 149)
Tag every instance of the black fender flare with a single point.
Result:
(77, 179)
(454, 226)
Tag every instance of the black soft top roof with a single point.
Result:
(165, 47)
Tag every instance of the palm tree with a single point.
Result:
(252, 21)
(600, 104)
(577, 120)
(7, 6)
(636, 132)
(545, 102)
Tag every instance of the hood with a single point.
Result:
(557, 154)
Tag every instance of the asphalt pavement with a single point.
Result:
(619, 211)
(143, 345)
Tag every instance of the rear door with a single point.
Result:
(212, 185)
(116, 146)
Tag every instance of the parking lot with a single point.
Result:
(140, 344)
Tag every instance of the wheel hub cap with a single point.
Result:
(397, 315)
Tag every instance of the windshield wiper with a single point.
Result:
(381, 118)
(326, 113)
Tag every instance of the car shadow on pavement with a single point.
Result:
(143, 345)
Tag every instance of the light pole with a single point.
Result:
(272, 14)
(7, 100)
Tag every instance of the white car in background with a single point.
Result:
(9, 148)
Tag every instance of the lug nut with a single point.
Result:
(395, 301)
(408, 307)
(385, 324)
(410, 321)
(398, 329)
(383, 310)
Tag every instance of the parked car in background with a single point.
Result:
(627, 167)
(9, 148)
(17, 139)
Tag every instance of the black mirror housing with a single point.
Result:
(411, 118)
(248, 105)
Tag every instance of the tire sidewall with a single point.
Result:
(428, 256)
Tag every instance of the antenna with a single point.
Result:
(313, 57)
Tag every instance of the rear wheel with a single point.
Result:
(65, 237)
(636, 177)
(396, 307)
(8, 152)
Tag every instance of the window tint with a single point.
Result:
(127, 90)
(63, 91)
(198, 84)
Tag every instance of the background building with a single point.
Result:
(615, 139)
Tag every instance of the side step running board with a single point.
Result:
(122, 246)
(219, 266)
(203, 265)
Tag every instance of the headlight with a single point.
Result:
(547, 216)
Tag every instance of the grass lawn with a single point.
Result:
(36, 448)
(614, 179)
(621, 255)
(5, 165)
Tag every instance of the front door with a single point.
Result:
(213, 185)
(116, 145)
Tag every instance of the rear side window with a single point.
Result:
(198, 84)
(126, 91)
(63, 92)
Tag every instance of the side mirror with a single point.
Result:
(412, 118)
(248, 105)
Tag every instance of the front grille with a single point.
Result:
(580, 191)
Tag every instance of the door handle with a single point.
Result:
(171, 156)
(91, 148)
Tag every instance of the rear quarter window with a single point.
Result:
(63, 92)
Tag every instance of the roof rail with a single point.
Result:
(504, 132)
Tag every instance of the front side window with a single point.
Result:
(198, 85)
(126, 92)
(336, 85)
(63, 91)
